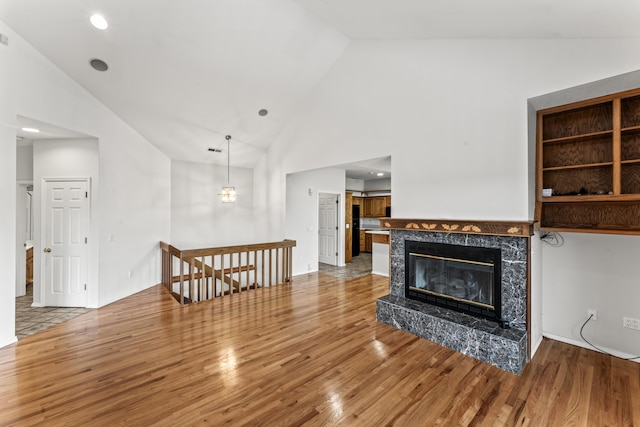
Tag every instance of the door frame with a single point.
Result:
(42, 236)
(21, 255)
(339, 232)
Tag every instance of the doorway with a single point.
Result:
(64, 237)
(24, 237)
(328, 221)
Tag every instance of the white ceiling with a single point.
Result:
(184, 74)
(428, 19)
(47, 131)
(368, 169)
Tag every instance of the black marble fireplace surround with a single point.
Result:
(479, 338)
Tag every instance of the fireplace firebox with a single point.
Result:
(466, 279)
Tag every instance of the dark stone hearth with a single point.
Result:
(479, 338)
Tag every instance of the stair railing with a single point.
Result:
(205, 274)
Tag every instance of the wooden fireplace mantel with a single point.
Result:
(495, 228)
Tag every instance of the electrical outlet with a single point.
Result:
(593, 313)
(628, 322)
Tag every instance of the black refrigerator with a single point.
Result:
(355, 231)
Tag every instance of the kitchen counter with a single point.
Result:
(377, 231)
(379, 251)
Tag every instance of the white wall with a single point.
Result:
(134, 202)
(24, 164)
(456, 112)
(198, 218)
(354, 184)
(382, 184)
(8, 205)
(593, 272)
(302, 214)
(72, 158)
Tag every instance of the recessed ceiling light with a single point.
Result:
(32, 130)
(98, 64)
(263, 112)
(380, 174)
(99, 22)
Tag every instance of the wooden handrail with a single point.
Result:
(218, 271)
(239, 248)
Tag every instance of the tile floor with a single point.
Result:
(359, 266)
(31, 320)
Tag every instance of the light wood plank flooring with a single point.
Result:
(310, 353)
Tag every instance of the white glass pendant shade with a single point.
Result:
(228, 194)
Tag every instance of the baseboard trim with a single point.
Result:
(588, 347)
(9, 341)
(536, 345)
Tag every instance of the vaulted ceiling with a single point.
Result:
(186, 73)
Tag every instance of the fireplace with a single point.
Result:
(487, 263)
(461, 278)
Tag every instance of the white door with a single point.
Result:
(328, 228)
(65, 231)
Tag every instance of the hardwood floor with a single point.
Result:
(310, 353)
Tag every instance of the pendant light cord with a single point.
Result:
(228, 137)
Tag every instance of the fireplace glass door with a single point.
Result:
(464, 280)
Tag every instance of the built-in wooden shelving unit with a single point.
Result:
(588, 153)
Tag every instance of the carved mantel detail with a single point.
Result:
(495, 228)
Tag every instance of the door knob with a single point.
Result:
(47, 250)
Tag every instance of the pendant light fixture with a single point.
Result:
(228, 194)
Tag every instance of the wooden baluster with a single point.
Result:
(277, 265)
(262, 268)
(191, 281)
(285, 265)
(222, 275)
(247, 256)
(284, 262)
(255, 271)
(164, 269)
(290, 262)
(213, 276)
(203, 279)
(270, 263)
(239, 271)
(168, 274)
(230, 279)
(214, 280)
(181, 279)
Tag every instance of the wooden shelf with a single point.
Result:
(591, 146)
(575, 138)
(591, 165)
(600, 198)
(594, 230)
